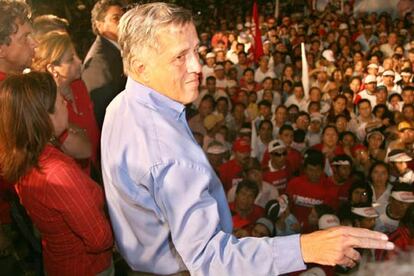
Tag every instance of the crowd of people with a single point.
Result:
(295, 150)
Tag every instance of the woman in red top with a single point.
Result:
(56, 54)
(64, 204)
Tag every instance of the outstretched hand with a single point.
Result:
(336, 246)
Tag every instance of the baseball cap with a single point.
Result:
(327, 221)
(216, 147)
(212, 120)
(398, 155)
(404, 125)
(276, 145)
(210, 55)
(366, 212)
(372, 66)
(218, 67)
(328, 55)
(370, 79)
(241, 145)
(267, 223)
(403, 196)
(388, 73)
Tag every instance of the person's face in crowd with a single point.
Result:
(233, 75)
(339, 105)
(244, 200)
(220, 56)
(371, 87)
(314, 107)
(408, 113)
(315, 95)
(411, 57)
(268, 96)
(341, 124)
(238, 112)
(109, 26)
(359, 195)
(398, 208)
(343, 172)
(205, 108)
(315, 46)
(346, 50)
(242, 58)
(322, 76)
(342, 40)
(259, 231)
(372, 71)
(249, 77)
(242, 158)
(315, 126)
(210, 61)
(293, 113)
(252, 97)
(302, 122)
(375, 141)
(379, 112)
(381, 96)
(388, 64)
(278, 158)
(313, 173)
(366, 223)
(394, 100)
(265, 111)
(288, 72)
(348, 141)
(379, 176)
(337, 75)
(298, 92)
(349, 71)
(399, 50)
(222, 107)
(383, 38)
(18, 54)
(242, 97)
(364, 109)
(408, 96)
(349, 98)
(281, 115)
(265, 132)
(256, 176)
(211, 85)
(267, 84)
(330, 137)
(408, 136)
(174, 68)
(406, 79)
(60, 117)
(400, 166)
(388, 80)
(68, 69)
(392, 38)
(216, 160)
(227, 66)
(264, 62)
(357, 58)
(219, 74)
(287, 137)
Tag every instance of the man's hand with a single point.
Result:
(335, 246)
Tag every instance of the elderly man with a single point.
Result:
(167, 206)
(102, 69)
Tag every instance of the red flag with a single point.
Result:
(258, 46)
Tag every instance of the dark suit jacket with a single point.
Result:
(103, 75)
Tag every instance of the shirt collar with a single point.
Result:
(154, 99)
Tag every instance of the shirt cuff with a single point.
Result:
(287, 254)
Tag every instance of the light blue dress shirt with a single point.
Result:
(167, 206)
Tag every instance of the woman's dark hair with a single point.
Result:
(376, 164)
(26, 101)
(360, 185)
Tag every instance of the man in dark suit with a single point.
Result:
(102, 69)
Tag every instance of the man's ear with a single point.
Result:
(3, 50)
(51, 69)
(140, 70)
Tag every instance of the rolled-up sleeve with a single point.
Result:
(187, 195)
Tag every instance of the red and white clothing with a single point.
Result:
(277, 177)
(304, 195)
(66, 206)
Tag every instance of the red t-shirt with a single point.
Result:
(67, 207)
(239, 222)
(230, 172)
(278, 178)
(338, 150)
(304, 195)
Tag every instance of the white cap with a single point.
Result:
(210, 55)
(202, 48)
(370, 78)
(373, 66)
(398, 155)
(316, 117)
(327, 221)
(388, 73)
(267, 223)
(403, 196)
(216, 148)
(218, 67)
(231, 83)
(276, 145)
(367, 212)
(405, 73)
(343, 26)
(328, 55)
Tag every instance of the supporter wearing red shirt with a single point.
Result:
(342, 178)
(310, 189)
(247, 81)
(65, 205)
(277, 174)
(230, 172)
(244, 211)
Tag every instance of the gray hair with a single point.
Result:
(139, 28)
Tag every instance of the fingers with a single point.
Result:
(363, 238)
(364, 233)
(361, 242)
